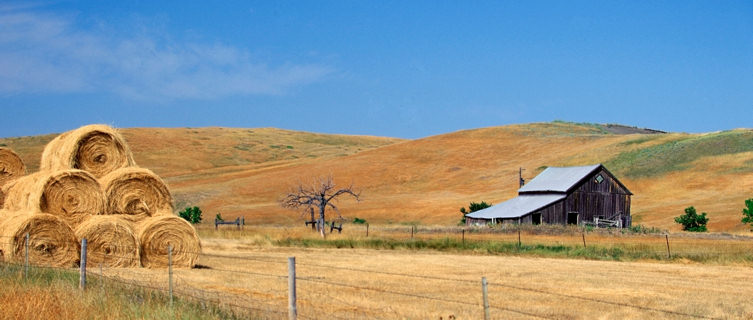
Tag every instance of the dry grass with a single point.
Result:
(243, 172)
(717, 249)
(428, 180)
(407, 284)
(54, 294)
(245, 271)
(240, 172)
(21, 302)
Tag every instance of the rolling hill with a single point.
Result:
(243, 172)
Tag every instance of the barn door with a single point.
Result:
(572, 217)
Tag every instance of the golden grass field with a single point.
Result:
(245, 271)
(244, 172)
(425, 284)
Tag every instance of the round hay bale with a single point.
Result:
(73, 195)
(156, 233)
(51, 241)
(11, 167)
(98, 149)
(136, 194)
(110, 241)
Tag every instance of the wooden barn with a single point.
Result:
(568, 195)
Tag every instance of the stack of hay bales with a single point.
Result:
(89, 187)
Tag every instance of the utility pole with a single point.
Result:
(520, 176)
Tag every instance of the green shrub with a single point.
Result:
(472, 207)
(357, 220)
(748, 213)
(691, 221)
(191, 214)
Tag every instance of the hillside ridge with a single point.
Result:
(244, 172)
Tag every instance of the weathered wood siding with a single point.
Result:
(552, 214)
(471, 221)
(591, 199)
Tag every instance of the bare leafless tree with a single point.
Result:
(320, 194)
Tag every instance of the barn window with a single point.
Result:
(599, 179)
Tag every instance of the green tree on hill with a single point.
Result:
(748, 213)
(191, 214)
(473, 207)
(691, 221)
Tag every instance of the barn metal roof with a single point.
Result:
(557, 179)
(517, 207)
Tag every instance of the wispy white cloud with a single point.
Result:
(48, 53)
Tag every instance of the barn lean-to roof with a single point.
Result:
(517, 207)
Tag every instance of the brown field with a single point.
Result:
(243, 172)
(408, 284)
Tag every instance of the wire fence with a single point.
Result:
(256, 284)
(613, 244)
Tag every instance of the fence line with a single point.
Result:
(250, 273)
(269, 307)
(220, 301)
(183, 293)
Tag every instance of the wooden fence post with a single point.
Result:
(411, 232)
(584, 239)
(519, 244)
(669, 254)
(170, 271)
(485, 292)
(101, 278)
(367, 230)
(292, 311)
(26, 260)
(82, 271)
(463, 237)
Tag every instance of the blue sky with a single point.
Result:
(389, 68)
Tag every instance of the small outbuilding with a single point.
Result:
(564, 195)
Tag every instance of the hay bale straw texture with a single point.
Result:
(98, 149)
(156, 233)
(136, 194)
(110, 241)
(51, 241)
(72, 195)
(11, 167)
